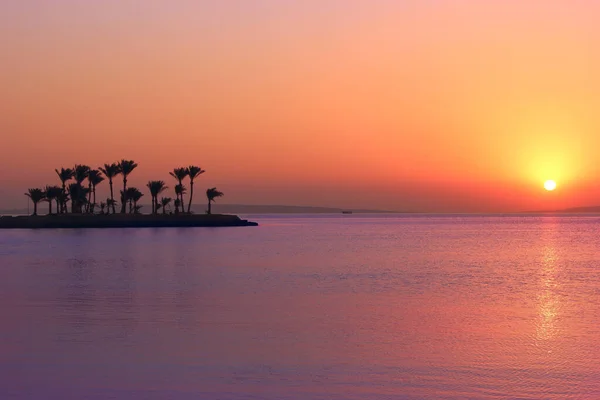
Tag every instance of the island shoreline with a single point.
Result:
(83, 221)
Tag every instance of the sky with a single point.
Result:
(408, 105)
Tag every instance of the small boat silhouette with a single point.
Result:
(346, 212)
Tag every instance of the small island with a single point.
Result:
(76, 205)
(121, 221)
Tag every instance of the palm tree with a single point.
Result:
(123, 199)
(64, 175)
(110, 171)
(63, 199)
(164, 202)
(36, 195)
(110, 203)
(156, 188)
(193, 172)
(95, 178)
(102, 207)
(180, 174)
(177, 205)
(127, 167)
(78, 196)
(133, 195)
(52, 193)
(211, 195)
(179, 191)
(81, 173)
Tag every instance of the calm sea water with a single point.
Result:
(327, 307)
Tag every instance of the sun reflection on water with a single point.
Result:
(548, 301)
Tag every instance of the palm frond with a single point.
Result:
(36, 195)
(193, 172)
(111, 170)
(213, 193)
(95, 177)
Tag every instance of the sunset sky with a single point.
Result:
(418, 105)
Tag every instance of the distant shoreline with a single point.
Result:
(75, 221)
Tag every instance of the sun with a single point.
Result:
(550, 185)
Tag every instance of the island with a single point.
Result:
(122, 221)
(76, 205)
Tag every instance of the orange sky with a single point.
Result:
(426, 105)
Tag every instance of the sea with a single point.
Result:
(305, 307)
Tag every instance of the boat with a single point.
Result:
(346, 212)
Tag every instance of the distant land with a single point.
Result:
(588, 209)
(236, 209)
(281, 209)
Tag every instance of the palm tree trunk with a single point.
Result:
(89, 199)
(191, 194)
(49, 207)
(124, 204)
(164, 209)
(209, 210)
(181, 196)
(63, 204)
(34, 207)
(112, 197)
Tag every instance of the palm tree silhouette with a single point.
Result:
(164, 202)
(78, 196)
(81, 173)
(179, 191)
(52, 193)
(110, 203)
(95, 178)
(110, 171)
(156, 188)
(36, 195)
(127, 167)
(123, 199)
(193, 172)
(133, 195)
(63, 199)
(64, 175)
(180, 174)
(211, 195)
(83, 196)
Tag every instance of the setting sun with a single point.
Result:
(550, 185)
